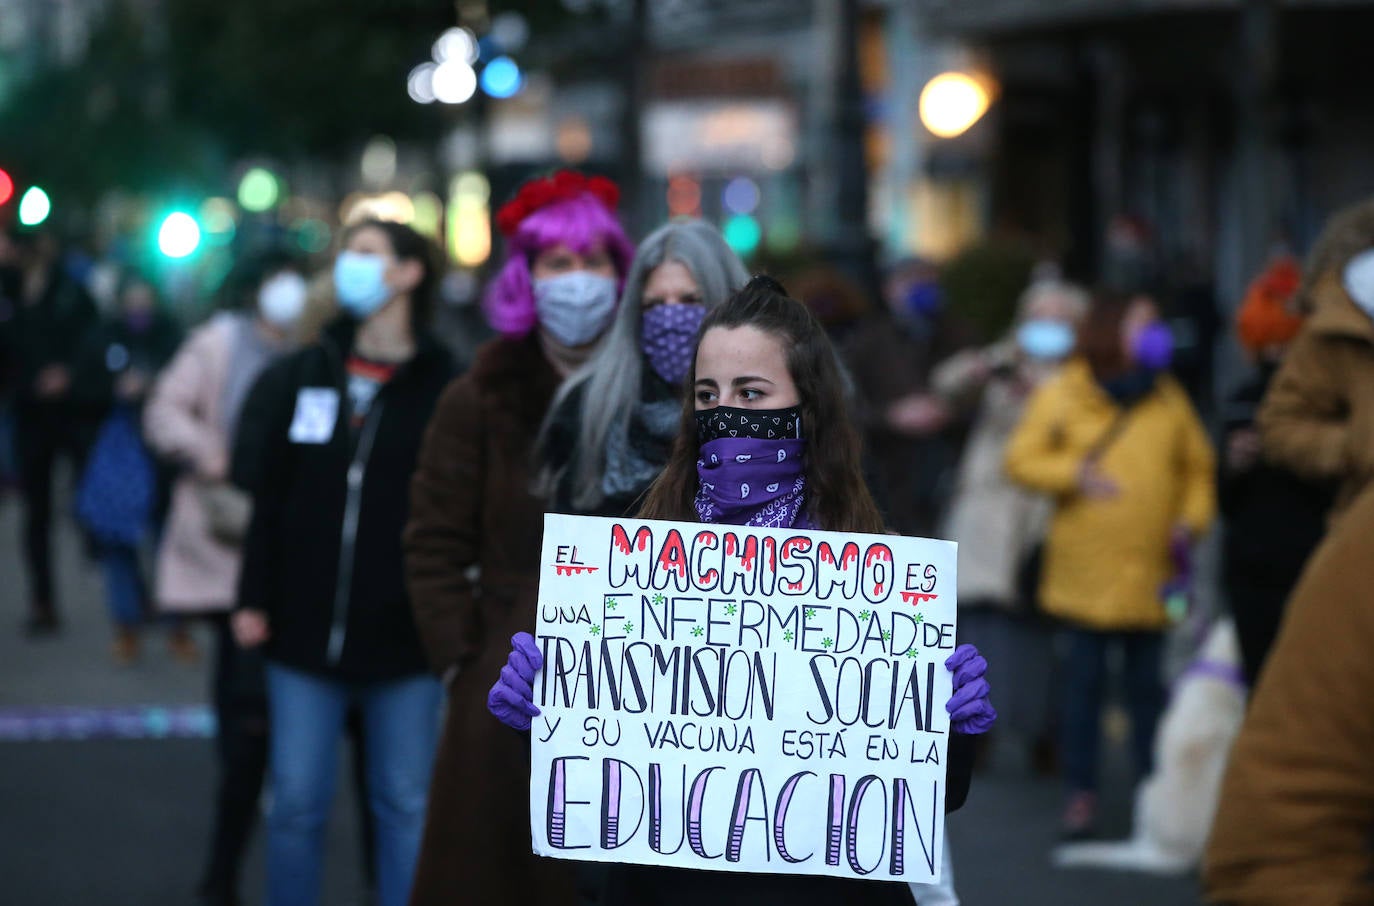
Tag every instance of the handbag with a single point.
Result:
(228, 511)
(114, 501)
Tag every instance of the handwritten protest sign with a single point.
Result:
(742, 699)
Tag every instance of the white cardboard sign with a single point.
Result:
(733, 698)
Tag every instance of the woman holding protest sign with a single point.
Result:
(472, 544)
(763, 364)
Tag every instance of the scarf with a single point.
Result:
(745, 481)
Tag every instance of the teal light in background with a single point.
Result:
(311, 235)
(742, 233)
(501, 78)
(179, 235)
(34, 207)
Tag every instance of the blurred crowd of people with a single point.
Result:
(312, 474)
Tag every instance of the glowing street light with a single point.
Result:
(458, 45)
(951, 103)
(454, 82)
(501, 78)
(34, 207)
(179, 235)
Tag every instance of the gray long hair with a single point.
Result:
(611, 380)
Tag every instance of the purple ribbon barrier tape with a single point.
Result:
(52, 724)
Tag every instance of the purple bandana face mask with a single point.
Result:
(668, 337)
(747, 479)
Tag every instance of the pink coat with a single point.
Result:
(182, 421)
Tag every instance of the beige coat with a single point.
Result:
(996, 522)
(182, 421)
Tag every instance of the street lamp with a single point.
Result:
(951, 103)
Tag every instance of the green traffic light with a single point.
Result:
(179, 235)
(34, 207)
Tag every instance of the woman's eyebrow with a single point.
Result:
(749, 379)
(707, 380)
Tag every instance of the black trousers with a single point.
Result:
(43, 435)
(240, 698)
(1258, 610)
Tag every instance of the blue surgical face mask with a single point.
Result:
(1045, 339)
(359, 281)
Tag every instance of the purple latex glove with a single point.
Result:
(1181, 558)
(511, 700)
(970, 711)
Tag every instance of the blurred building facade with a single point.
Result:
(1223, 126)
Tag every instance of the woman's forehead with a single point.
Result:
(740, 348)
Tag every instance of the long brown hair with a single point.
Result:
(836, 497)
(1099, 339)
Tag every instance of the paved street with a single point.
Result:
(123, 822)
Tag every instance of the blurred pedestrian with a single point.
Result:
(113, 374)
(1115, 441)
(1297, 802)
(567, 259)
(190, 420)
(1274, 517)
(998, 524)
(1317, 418)
(54, 315)
(838, 302)
(762, 359)
(323, 585)
(906, 424)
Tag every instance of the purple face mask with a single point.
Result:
(747, 481)
(1154, 347)
(668, 336)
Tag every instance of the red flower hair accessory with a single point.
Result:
(545, 190)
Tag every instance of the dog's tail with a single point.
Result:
(1134, 854)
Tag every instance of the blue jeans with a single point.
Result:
(400, 729)
(1084, 676)
(124, 587)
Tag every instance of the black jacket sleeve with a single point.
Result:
(959, 770)
(259, 464)
(93, 381)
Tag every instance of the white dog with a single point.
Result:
(1175, 805)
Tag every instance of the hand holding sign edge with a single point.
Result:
(511, 699)
(970, 709)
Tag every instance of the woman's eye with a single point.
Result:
(705, 396)
(750, 394)
(652, 302)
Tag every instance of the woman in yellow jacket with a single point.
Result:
(1117, 444)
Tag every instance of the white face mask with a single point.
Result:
(576, 307)
(281, 301)
(1359, 281)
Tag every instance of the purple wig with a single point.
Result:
(580, 223)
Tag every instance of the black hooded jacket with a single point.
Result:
(323, 553)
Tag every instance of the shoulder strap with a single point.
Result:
(1111, 435)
